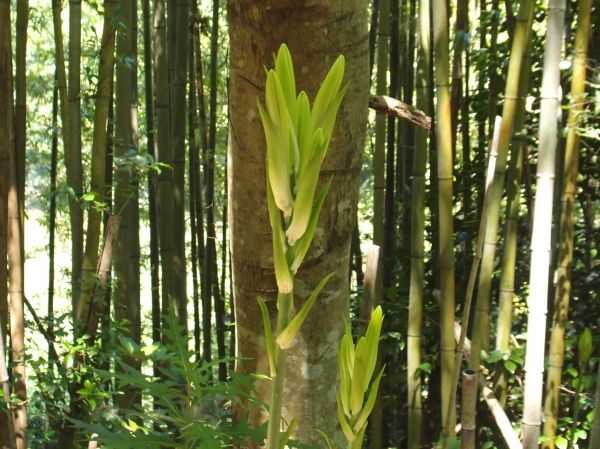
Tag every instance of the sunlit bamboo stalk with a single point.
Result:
(540, 240)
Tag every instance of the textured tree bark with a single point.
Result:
(316, 32)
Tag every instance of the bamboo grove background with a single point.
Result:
(113, 165)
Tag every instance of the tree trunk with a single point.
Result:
(316, 35)
(567, 226)
(542, 225)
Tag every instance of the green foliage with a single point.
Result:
(188, 410)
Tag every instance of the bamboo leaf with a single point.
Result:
(268, 335)
(372, 338)
(329, 89)
(285, 70)
(328, 441)
(285, 436)
(284, 339)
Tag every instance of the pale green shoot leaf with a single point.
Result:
(369, 404)
(301, 247)
(268, 335)
(285, 338)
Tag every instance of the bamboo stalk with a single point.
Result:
(567, 226)
(507, 280)
(97, 181)
(383, 34)
(417, 239)
(540, 241)
(468, 403)
(513, 80)
(473, 275)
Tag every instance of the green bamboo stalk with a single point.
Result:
(97, 179)
(165, 177)
(126, 258)
(417, 249)
(383, 34)
(471, 281)
(75, 210)
(519, 47)
(507, 280)
(177, 142)
(540, 240)
(73, 153)
(567, 226)
(445, 214)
